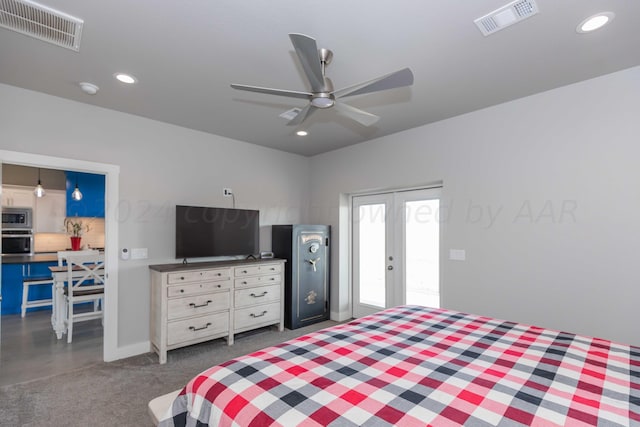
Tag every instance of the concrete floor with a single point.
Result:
(29, 348)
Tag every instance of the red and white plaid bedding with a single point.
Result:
(414, 366)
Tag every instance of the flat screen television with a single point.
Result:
(210, 232)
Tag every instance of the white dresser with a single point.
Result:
(192, 303)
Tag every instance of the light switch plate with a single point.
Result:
(457, 254)
(139, 253)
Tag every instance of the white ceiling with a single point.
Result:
(186, 53)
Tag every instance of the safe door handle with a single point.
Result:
(193, 305)
(193, 328)
(258, 296)
(258, 315)
(313, 263)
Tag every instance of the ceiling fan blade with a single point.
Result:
(362, 117)
(270, 91)
(307, 51)
(303, 114)
(400, 78)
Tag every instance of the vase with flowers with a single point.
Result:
(75, 228)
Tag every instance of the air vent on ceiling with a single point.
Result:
(505, 16)
(41, 22)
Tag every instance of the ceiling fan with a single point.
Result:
(322, 95)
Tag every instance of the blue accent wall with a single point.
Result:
(92, 187)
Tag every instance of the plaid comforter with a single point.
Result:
(414, 366)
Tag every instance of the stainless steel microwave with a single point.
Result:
(17, 242)
(17, 218)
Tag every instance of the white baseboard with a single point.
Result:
(340, 316)
(130, 351)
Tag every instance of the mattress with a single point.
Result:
(412, 366)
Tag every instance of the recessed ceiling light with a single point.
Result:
(125, 78)
(302, 133)
(595, 21)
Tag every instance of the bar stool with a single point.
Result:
(28, 282)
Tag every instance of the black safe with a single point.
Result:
(306, 281)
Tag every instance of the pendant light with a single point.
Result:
(76, 195)
(39, 190)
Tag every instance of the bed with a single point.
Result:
(412, 366)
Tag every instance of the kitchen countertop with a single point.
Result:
(26, 259)
(37, 257)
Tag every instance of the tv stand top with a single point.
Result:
(164, 268)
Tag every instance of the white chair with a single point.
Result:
(62, 261)
(29, 282)
(85, 283)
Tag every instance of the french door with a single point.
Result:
(396, 247)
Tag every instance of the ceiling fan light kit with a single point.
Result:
(322, 95)
(322, 100)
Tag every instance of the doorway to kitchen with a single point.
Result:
(104, 335)
(396, 247)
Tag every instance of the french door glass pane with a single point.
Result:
(422, 245)
(372, 254)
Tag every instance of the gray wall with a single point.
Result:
(542, 194)
(161, 165)
(522, 162)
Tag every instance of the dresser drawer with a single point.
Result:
(196, 305)
(258, 280)
(198, 276)
(253, 296)
(196, 288)
(197, 327)
(247, 317)
(257, 269)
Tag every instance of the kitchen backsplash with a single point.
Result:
(53, 242)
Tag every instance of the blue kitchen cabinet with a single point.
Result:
(92, 187)
(12, 276)
(11, 288)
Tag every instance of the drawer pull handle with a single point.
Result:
(182, 278)
(244, 283)
(181, 290)
(258, 315)
(244, 271)
(258, 296)
(272, 269)
(193, 305)
(193, 328)
(219, 286)
(218, 274)
(273, 278)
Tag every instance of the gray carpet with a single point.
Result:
(117, 393)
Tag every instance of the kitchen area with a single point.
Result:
(42, 210)
(35, 230)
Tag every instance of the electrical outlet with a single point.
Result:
(227, 192)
